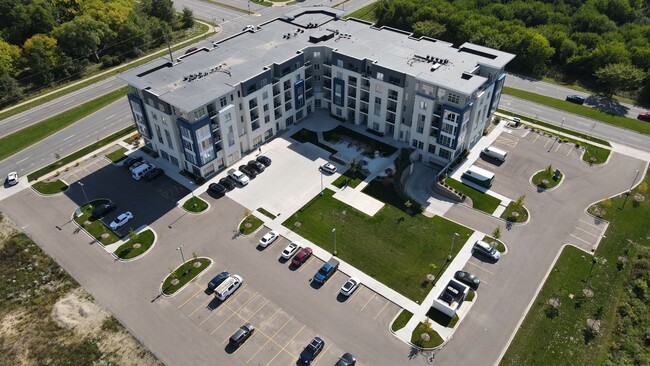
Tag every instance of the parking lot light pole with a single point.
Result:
(84, 191)
(334, 231)
(182, 256)
(321, 182)
(453, 240)
(635, 178)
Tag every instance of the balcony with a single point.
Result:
(327, 74)
(390, 118)
(278, 114)
(327, 62)
(309, 86)
(255, 125)
(352, 92)
(252, 104)
(364, 109)
(254, 116)
(307, 63)
(392, 108)
(287, 96)
(365, 85)
(276, 104)
(352, 103)
(392, 95)
(276, 92)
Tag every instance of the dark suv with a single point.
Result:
(312, 350)
(217, 189)
(130, 161)
(153, 174)
(256, 165)
(227, 183)
(248, 171)
(241, 335)
(577, 99)
(103, 209)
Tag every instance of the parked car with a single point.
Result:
(12, 178)
(290, 250)
(346, 360)
(644, 116)
(487, 250)
(248, 171)
(241, 335)
(257, 166)
(328, 167)
(350, 286)
(228, 183)
(131, 160)
(268, 239)
(217, 280)
(468, 279)
(312, 350)
(264, 160)
(228, 287)
(301, 257)
(121, 220)
(577, 99)
(103, 209)
(326, 271)
(239, 177)
(217, 189)
(151, 175)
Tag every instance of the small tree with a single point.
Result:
(247, 213)
(408, 204)
(355, 167)
(642, 187)
(194, 255)
(426, 325)
(549, 170)
(519, 202)
(133, 235)
(496, 234)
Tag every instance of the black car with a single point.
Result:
(242, 334)
(153, 174)
(312, 350)
(217, 280)
(264, 160)
(468, 279)
(132, 160)
(248, 171)
(227, 183)
(217, 189)
(577, 99)
(257, 166)
(346, 360)
(103, 209)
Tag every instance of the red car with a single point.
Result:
(301, 257)
(644, 116)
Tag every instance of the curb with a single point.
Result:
(155, 239)
(188, 282)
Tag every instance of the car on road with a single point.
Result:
(328, 167)
(154, 173)
(268, 238)
(103, 209)
(256, 165)
(346, 360)
(577, 99)
(239, 177)
(290, 250)
(644, 116)
(301, 257)
(248, 171)
(487, 250)
(468, 279)
(121, 220)
(217, 189)
(264, 160)
(350, 286)
(312, 350)
(228, 183)
(12, 178)
(218, 280)
(190, 50)
(241, 335)
(131, 161)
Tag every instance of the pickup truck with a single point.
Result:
(326, 271)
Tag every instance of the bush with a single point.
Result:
(110, 61)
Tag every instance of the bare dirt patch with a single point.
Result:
(73, 311)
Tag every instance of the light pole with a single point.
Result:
(593, 263)
(562, 124)
(334, 231)
(321, 182)
(453, 240)
(182, 256)
(84, 191)
(635, 177)
(193, 196)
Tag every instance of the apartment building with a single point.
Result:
(204, 110)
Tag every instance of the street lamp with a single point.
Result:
(562, 124)
(593, 263)
(453, 240)
(84, 191)
(635, 177)
(321, 182)
(182, 256)
(334, 231)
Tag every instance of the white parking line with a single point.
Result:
(588, 242)
(476, 265)
(590, 224)
(585, 231)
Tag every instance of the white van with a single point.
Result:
(478, 175)
(493, 152)
(141, 170)
(227, 287)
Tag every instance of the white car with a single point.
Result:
(290, 250)
(268, 239)
(12, 178)
(348, 287)
(239, 177)
(121, 220)
(328, 167)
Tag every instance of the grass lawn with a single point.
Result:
(480, 201)
(544, 180)
(500, 246)
(180, 273)
(353, 179)
(401, 320)
(392, 247)
(629, 123)
(547, 337)
(595, 155)
(50, 186)
(117, 155)
(95, 228)
(434, 338)
(195, 204)
(266, 213)
(371, 143)
(442, 319)
(127, 251)
(366, 13)
(513, 207)
(305, 135)
(470, 295)
(249, 225)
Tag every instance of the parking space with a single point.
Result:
(587, 232)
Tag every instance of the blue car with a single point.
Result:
(312, 350)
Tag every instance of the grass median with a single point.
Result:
(250, 224)
(50, 186)
(94, 227)
(137, 245)
(480, 201)
(195, 205)
(184, 274)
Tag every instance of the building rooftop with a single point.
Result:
(199, 77)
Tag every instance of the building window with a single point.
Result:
(339, 63)
(414, 143)
(267, 119)
(378, 88)
(169, 139)
(432, 149)
(159, 134)
(266, 107)
(444, 154)
(420, 127)
(199, 113)
(316, 54)
(154, 116)
(427, 89)
(380, 76)
(223, 102)
(423, 105)
(453, 98)
(265, 95)
(451, 117)
(316, 66)
(227, 117)
(187, 145)
(375, 126)
(184, 132)
(190, 157)
(268, 133)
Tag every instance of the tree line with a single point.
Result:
(604, 44)
(47, 42)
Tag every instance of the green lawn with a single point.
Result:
(500, 246)
(96, 228)
(266, 213)
(117, 155)
(595, 155)
(195, 204)
(470, 295)
(127, 251)
(544, 180)
(513, 207)
(180, 273)
(305, 136)
(353, 179)
(392, 247)
(401, 320)
(547, 337)
(480, 201)
(416, 337)
(50, 186)
(254, 222)
(366, 13)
